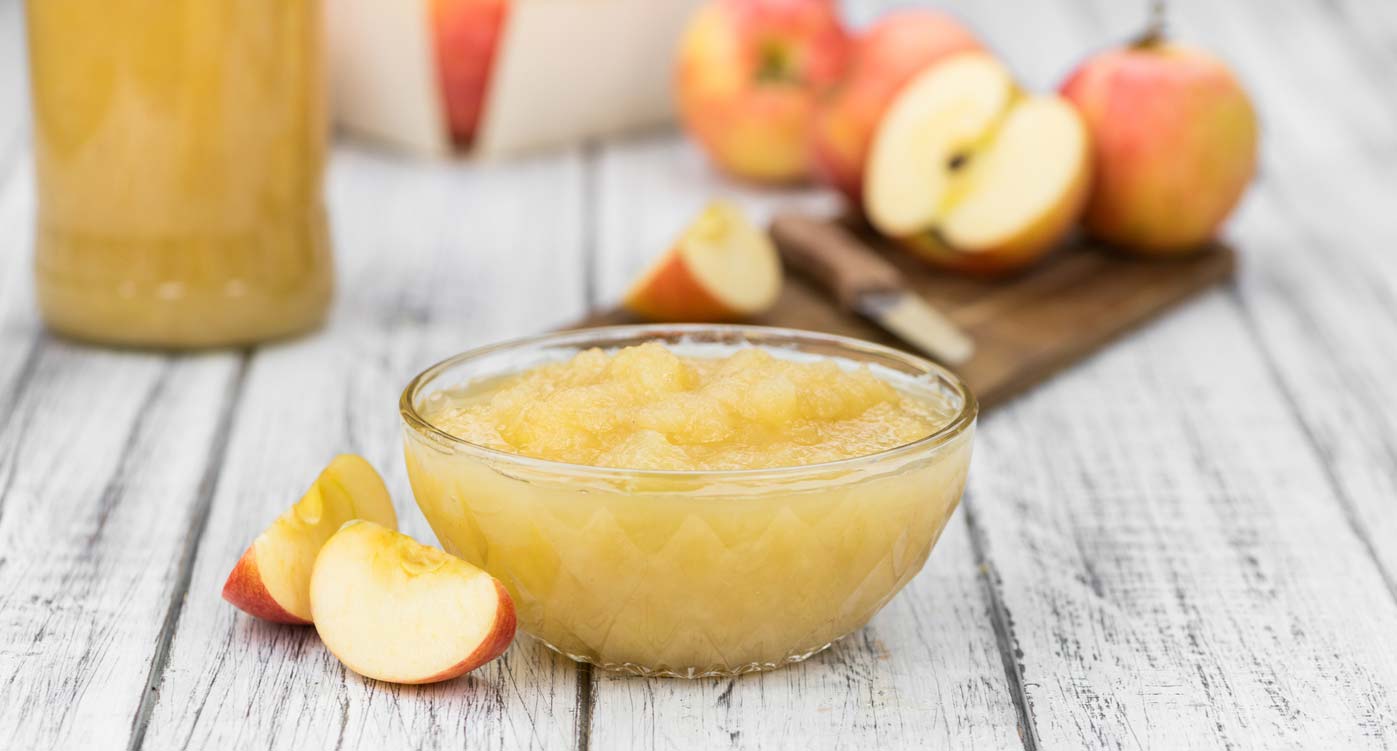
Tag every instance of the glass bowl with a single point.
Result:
(690, 573)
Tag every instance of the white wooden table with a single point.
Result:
(1186, 542)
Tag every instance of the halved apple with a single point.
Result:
(972, 173)
(393, 609)
(721, 268)
(272, 578)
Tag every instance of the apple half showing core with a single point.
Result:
(722, 268)
(970, 172)
(272, 578)
(393, 609)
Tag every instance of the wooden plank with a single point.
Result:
(927, 670)
(1177, 567)
(433, 259)
(103, 479)
(105, 461)
(14, 85)
(19, 327)
(1207, 589)
(1323, 299)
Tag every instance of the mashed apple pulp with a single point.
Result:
(646, 407)
(693, 573)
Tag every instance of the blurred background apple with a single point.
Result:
(749, 75)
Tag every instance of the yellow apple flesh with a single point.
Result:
(722, 268)
(973, 174)
(885, 57)
(1175, 139)
(393, 609)
(272, 578)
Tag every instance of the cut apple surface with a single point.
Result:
(272, 578)
(393, 609)
(974, 174)
(721, 268)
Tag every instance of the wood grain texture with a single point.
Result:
(421, 251)
(1325, 301)
(1208, 588)
(1182, 543)
(102, 470)
(14, 86)
(928, 668)
(1205, 588)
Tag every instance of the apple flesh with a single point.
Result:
(466, 34)
(272, 578)
(722, 268)
(1175, 140)
(393, 609)
(973, 174)
(885, 57)
(748, 76)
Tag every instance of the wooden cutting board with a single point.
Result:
(1026, 328)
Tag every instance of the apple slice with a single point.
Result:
(393, 609)
(972, 173)
(272, 579)
(467, 33)
(722, 268)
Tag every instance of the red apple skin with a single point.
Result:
(1175, 143)
(467, 33)
(673, 294)
(747, 79)
(495, 643)
(244, 589)
(884, 58)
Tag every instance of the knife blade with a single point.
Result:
(866, 284)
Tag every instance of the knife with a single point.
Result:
(866, 284)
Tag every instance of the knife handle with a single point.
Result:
(833, 257)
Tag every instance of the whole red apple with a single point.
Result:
(466, 33)
(748, 76)
(884, 58)
(1175, 142)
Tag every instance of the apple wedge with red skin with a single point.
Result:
(272, 578)
(722, 268)
(393, 609)
(467, 34)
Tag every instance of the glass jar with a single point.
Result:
(691, 573)
(179, 150)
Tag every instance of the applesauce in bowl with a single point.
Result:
(690, 500)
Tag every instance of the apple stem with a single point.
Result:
(1154, 28)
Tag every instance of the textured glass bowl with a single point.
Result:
(690, 573)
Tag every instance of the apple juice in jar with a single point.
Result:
(179, 149)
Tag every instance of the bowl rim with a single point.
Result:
(964, 419)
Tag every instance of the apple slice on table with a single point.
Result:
(272, 579)
(722, 268)
(393, 609)
(974, 174)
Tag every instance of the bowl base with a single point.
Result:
(643, 671)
